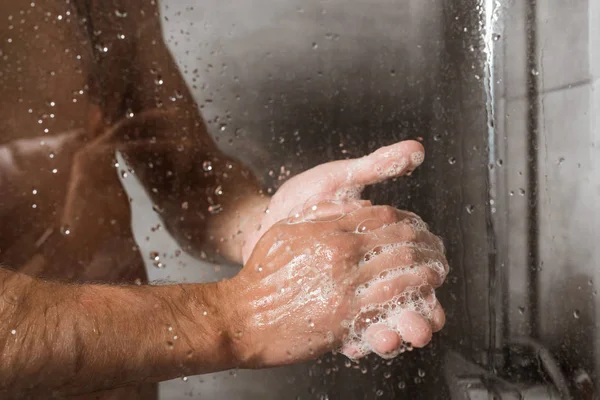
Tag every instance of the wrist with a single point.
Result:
(241, 345)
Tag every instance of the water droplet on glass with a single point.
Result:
(54, 171)
(496, 37)
(219, 190)
(500, 162)
(215, 208)
(158, 81)
(184, 378)
(576, 314)
(65, 230)
(387, 374)
(154, 255)
(392, 72)
(315, 45)
(121, 14)
(535, 72)
(207, 166)
(421, 373)
(452, 161)
(521, 310)
(379, 393)
(522, 192)
(123, 173)
(13, 332)
(364, 369)
(120, 36)
(470, 208)
(401, 385)
(561, 160)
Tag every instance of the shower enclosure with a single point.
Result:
(505, 97)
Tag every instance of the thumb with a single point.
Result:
(385, 163)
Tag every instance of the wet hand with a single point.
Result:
(338, 180)
(338, 276)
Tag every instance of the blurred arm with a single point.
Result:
(206, 199)
(81, 338)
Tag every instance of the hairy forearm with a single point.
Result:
(82, 338)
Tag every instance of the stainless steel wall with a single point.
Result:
(548, 91)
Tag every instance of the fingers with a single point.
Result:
(384, 263)
(326, 211)
(385, 163)
(368, 219)
(398, 333)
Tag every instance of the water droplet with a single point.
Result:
(451, 160)
(470, 208)
(311, 323)
(522, 192)
(496, 37)
(392, 72)
(364, 369)
(184, 378)
(379, 393)
(13, 332)
(54, 171)
(121, 14)
(34, 191)
(185, 205)
(215, 208)
(124, 173)
(207, 166)
(120, 36)
(521, 310)
(500, 162)
(561, 160)
(401, 385)
(576, 314)
(65, 230)
(535, 72)
(315, 45)
(387, 374)
(421, 373)
(219, 190)
(158, 81)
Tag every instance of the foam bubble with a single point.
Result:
(396, 168)
(417, 158)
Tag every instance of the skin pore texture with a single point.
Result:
(323, 270)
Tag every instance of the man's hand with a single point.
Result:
(338, 180)
(340, 276)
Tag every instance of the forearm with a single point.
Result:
(242, 213)
(82, 338)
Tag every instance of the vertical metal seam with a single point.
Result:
(533, 258)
